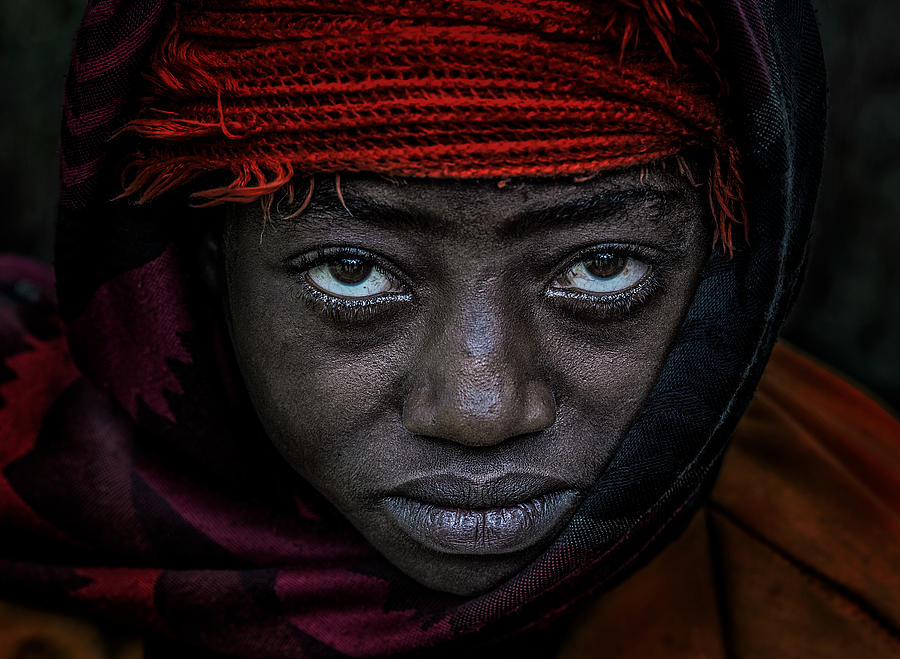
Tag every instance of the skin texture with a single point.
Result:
(478, 359)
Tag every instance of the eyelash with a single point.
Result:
(614, 306)
(344, 309)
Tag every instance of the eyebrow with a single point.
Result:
(598, 207)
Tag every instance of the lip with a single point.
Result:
(460, 515)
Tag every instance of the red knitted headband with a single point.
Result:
(273, 89)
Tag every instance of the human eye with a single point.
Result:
(350, 277)
(609, 281)
(348, 284)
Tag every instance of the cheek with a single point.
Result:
(319, 400)
(599, 399)
(603, 372)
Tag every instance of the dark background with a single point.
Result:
(849, 311)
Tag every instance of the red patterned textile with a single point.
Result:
(271, 89)
(138, 490)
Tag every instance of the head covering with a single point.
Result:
(273, 89)
(137, 487)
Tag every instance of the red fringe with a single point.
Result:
(179, 138)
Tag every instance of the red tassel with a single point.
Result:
(271, 89)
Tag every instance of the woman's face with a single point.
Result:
(452, 364)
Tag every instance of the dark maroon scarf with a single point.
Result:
(136, 488)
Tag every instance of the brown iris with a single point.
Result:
(350, 271)
(606, 265)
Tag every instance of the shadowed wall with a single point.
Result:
(849, 310)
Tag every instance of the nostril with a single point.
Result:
(477, 382)
(540, 407)
(480, 416)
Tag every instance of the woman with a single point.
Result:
(496, 282)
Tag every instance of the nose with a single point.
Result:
(477, 382)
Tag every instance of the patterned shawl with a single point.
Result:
(135, 486)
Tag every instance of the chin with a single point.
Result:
(462, 574)
(465, 576)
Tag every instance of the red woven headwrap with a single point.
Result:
(273, 89)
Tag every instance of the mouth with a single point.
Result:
(456, 515)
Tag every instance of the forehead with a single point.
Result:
(481, 203)
(637, 199)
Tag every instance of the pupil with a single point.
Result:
(350, 271)
(606, 266)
